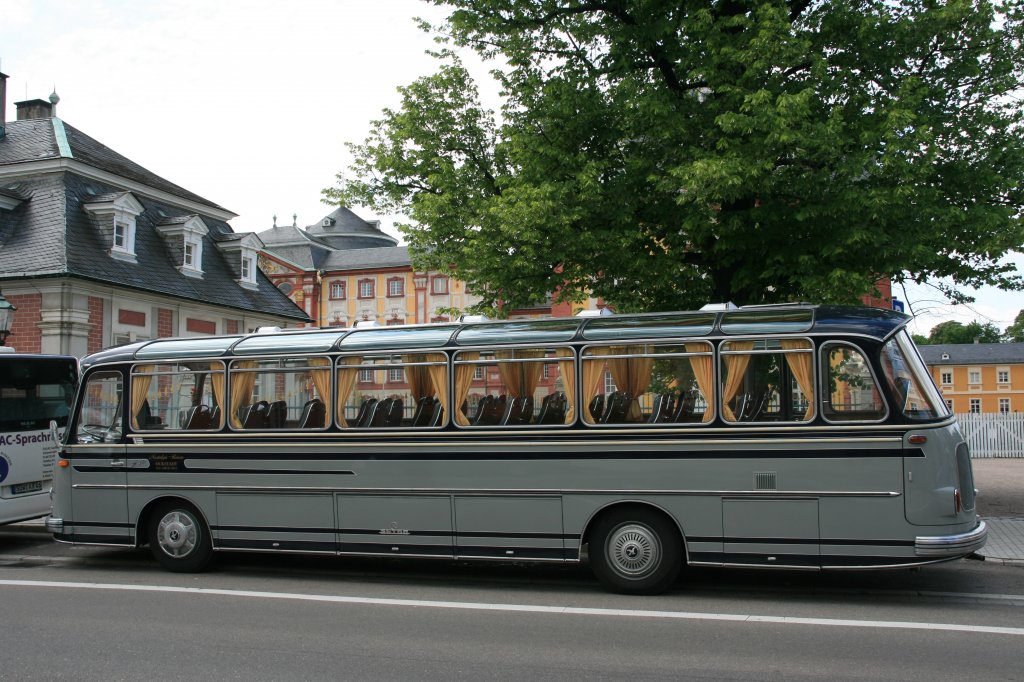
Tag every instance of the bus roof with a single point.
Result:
(748, 320)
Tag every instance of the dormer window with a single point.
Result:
(184, 234)
(240, 251)
(193, 254)
(124, 237)
(116, 215)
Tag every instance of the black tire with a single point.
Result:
(179, 538)
(636, 551)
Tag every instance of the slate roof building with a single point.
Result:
(344, 270)
(978, 377)
(95, 250)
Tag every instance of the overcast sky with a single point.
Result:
(248, 103)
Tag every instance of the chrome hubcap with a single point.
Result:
(177, 534)
(633, 550)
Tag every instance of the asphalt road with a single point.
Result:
(106, 614)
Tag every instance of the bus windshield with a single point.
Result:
(911, 384)
(35, 390)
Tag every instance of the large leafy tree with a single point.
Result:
(952, 331)
(1015, 332)
(661, 154)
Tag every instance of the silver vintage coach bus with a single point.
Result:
(795, 436)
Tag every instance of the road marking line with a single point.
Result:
(525, 608)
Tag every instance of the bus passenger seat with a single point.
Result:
(313, 413)
(276, 414)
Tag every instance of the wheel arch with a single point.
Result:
(142, 524)
(625, 506)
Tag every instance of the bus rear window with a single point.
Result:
(912, 387)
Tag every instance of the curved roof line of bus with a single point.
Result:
(746, 320)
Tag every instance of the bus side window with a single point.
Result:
(850, 390)
(99, 416)
(515, 387)
(177, 396)
(648, 384)
(767, 380)
(401, 390)
(281, 394)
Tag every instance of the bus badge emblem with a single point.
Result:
(393, 530)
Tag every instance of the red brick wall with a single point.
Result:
(95, 342)
(132, 317)
(200, 326)
(25, 335)
(164, 322)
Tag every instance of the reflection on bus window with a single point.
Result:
(99, 417)
(911, 397)
(648, 384)
(851, 393)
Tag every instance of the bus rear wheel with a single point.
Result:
(636, 551)
(179, 538)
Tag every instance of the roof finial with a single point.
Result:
(295, 219)
(54, 98)
(275, 220)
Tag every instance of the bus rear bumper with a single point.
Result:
(951, 545)
(54, 525)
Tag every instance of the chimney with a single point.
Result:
(3, 104)
(34, 108)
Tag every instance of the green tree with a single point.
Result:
(957, 332)
(1015, 332)
(662, 154)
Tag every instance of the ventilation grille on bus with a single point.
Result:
(765, 480)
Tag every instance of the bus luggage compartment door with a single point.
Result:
(771, 532)
(509, 527)
(397, 525)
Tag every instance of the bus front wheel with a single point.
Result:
(179, 538)
(636, 551)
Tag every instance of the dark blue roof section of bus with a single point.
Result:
(268, 344)
(386, 338)
(649, 326)
(844, 320)
(521, 331)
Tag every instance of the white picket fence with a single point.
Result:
(993, 435)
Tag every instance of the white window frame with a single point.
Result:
(1002, 375)
(974, 375)
(1004, 406)
(975, 406)
(947, 377)
(367, 288)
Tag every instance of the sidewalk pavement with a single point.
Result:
(1000, 484)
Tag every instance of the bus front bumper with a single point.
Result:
(951, 545)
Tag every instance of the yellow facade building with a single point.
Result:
(979, 378)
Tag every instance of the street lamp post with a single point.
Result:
(6, 318)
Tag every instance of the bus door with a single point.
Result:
(97, 456)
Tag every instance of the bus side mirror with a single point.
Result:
(54, 433)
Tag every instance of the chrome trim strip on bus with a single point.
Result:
(786, 494)
(952, 545)
(466, 442)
